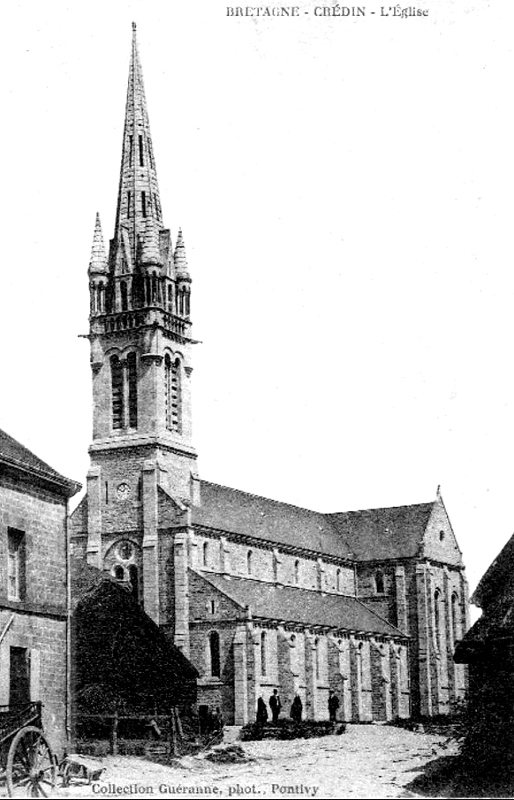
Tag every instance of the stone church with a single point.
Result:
(259, 594)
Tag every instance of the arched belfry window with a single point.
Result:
(264, 654)
(173, 394)
(205, 554)
(249, 557)
(214, 654)
(379, 582)
(119, 573)
(297, 571)
(117, 393)
(132, 388)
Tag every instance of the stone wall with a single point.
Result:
(36, 621)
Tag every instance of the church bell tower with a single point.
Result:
(141, 339)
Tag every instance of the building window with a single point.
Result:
(143, 204)
(249, 557)
(318, 658)
(173, 394)
(19, 676)
(141, 159)
(455, 617)
(129, 198)
(379, 582)
(15, 564)
(205, 554)
(132, 389)
(339, 580)
(214, 654)
(441, 536)
(264, 654)
(213, 606)
(117, 392)
(297, 571)
(437, 618)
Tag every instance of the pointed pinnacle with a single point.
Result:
(98, 260)
(181, 258)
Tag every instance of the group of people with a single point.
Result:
(296, 711)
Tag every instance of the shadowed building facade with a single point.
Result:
(34, 586)
(259, 594)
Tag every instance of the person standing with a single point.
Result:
(275, 705)
(333, 705)
(296, 709)
(262, 712)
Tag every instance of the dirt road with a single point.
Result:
(367, 761)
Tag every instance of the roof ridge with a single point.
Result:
(311, 510)
(379, 508)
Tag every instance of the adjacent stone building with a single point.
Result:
(34, 586)
(259, 594)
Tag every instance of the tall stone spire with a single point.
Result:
(139, 214)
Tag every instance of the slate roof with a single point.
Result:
(15, 454)
(240, 512)
(303, 606)
(381, 533)
(378, 533)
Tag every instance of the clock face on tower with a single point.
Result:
(123, 491)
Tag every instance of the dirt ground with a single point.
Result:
(367, 761)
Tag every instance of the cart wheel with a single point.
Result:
(31, 770)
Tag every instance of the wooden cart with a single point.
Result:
(27, 764)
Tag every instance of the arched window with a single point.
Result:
(379, 582)
(119, 573)
(339, 580)
(134, 580)
(318, 658)
(170, 297)
(173, 394)
(437, 617)
(123, 296)
(154, 288)
(455, 617)
(117, 392)
(249, 562)
(187, 302)
(264, 654)
(297, 571)
(205, 554)
(214, 654)
(132, 389)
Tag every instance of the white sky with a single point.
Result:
(345, 191)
